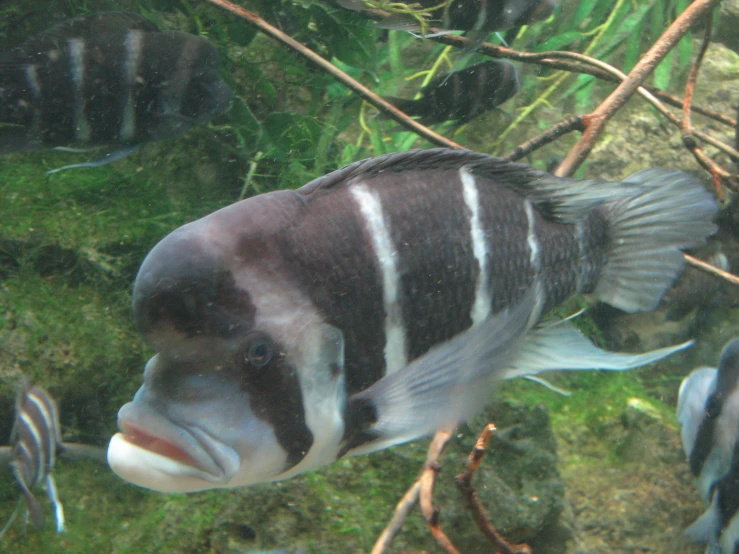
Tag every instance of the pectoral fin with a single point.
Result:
(105, 159)
(443, 387)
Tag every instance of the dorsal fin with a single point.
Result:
(565, 199)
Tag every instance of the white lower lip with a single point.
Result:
(153, 471)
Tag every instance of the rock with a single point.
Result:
(518, 482)
(727, 24)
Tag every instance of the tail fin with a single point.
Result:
(672, 211)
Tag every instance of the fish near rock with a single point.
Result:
(465, 94)
(465, 15)
(708, 413)
(379, 303)
(35, 441)
(107, 80)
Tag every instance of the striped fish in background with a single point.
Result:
(467, 15)
(463, 95)
(107, 79)
(35, 440)
(708, 413)
(379, 303)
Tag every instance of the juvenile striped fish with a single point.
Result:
(708, 413)
(378, 304)
(466, 15)
(35, 440)
(463, 95)
(106, 79)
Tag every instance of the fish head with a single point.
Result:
(246, 379)
(206, 96)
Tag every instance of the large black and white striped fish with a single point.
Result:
(463, 95)
(708, 413)
(35, 440)
(107, 79)
(379, 303)
(465, 15)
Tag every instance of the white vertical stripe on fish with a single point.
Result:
(37, 439)
(77, 63)
(49, 419)
(580, 238)
(172, 101)
(32, 80)
(134, 48)
(534, 259)
(483, 300)
(387, 257)
(54, 497)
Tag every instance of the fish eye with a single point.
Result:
(259, 350)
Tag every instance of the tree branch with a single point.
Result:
(600, 117)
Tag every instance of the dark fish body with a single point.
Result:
(468, 15)
(106, 79)
(708, 413)
(379, 303)
(35, 440)
(465, 94)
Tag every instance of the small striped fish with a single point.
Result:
(380, 303)
(35, 441)
(467, 15)
(463, 95)
(106, 79)
(708, 413)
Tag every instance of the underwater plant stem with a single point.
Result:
(603, 113)
(339, 75)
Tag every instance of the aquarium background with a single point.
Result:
(599, 471)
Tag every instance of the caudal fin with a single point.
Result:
(669, 211)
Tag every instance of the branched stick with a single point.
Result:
(393, 527)
(719, 174)
(464, 482)
(574, 123)
(708, 268)
(600, 117)
(425, 482)
(555, 59)
(341, 76)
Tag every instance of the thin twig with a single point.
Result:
(341, 76)
(393, 527)
(700, 264)
(555, 59)
(719, 174)
(574, 123)
(427, 480)
(464, 482)
(603, 113)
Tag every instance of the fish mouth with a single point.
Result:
(155, 452)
